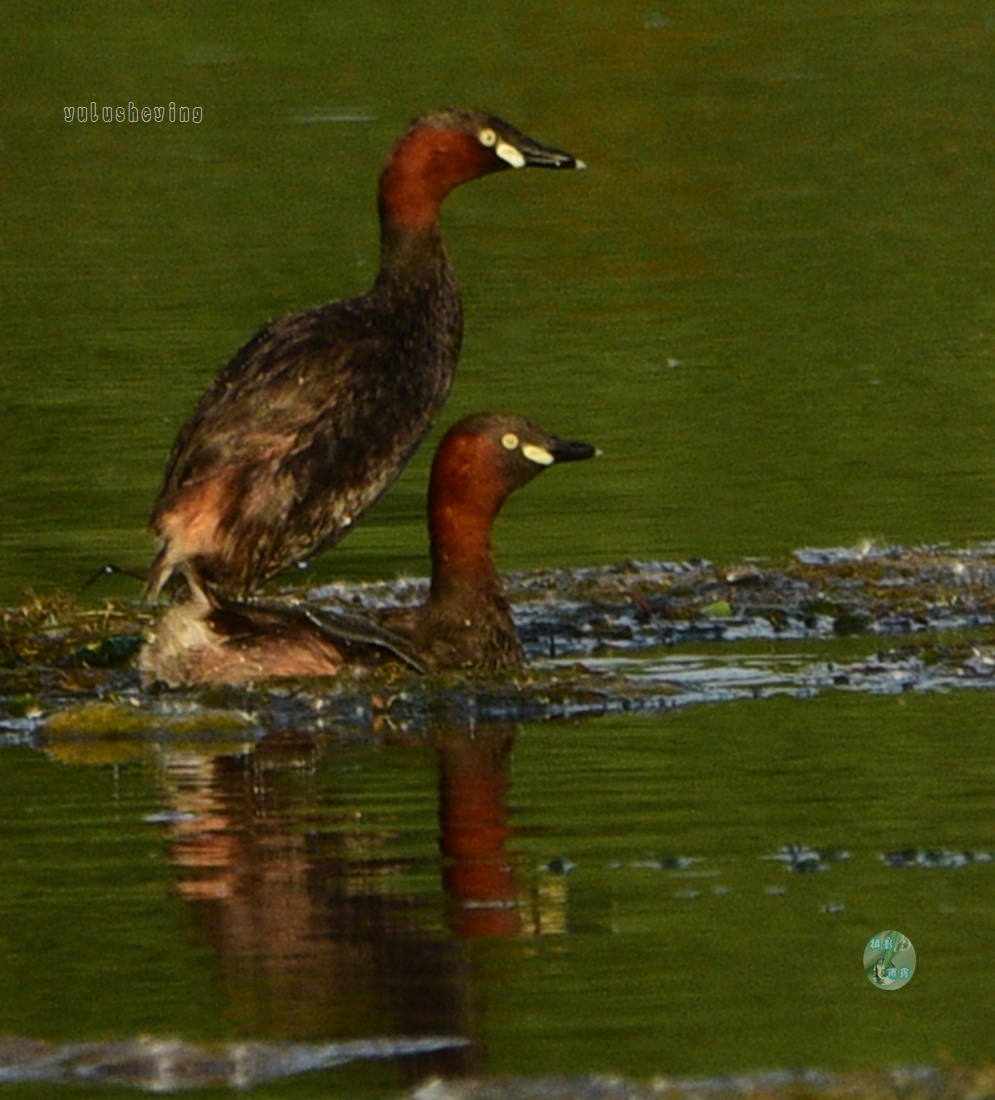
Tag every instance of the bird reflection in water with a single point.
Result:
(482, 889)
(306, 902)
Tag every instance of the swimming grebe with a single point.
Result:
(319, 412)
(479, 463)
(466, 621)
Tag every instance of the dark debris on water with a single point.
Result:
(797, 858)
(801, 859)
(948, 1082)
(172, 1065)
(933, 859)
(622, 638)
(168, 1065)
(819, 594)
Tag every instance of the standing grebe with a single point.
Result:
(319, 412)
(466, 622)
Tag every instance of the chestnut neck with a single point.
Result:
(424, 166)
(465, 496)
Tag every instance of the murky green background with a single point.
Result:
(770, 301)
(307, 899)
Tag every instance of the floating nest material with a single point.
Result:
(635, 636)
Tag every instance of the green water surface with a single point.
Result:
(309, 900)
(769, 300)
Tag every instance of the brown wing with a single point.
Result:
(277, 385)
(300, 433)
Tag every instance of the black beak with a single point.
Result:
(568, 450)
(545, 156)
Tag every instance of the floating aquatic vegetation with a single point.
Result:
(559, 865)
(933, 859)
(801, 859)
(903, 1083)
(601, 640)
(168, 1065)
(57, 631)
(669, 863)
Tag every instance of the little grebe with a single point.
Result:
(466, 621)
(319, 412)
(479, 463)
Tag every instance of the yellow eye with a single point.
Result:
(487, 137)
(509, 441)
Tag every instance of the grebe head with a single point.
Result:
(447, 147)
(466, 621)
(496, 453)
(479, 463)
